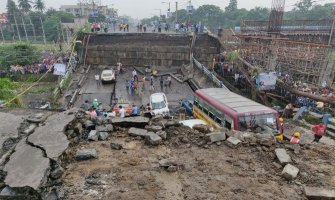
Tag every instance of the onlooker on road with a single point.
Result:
(152, 88)
(169, 81)
(135, 75)
(134, 111)
(295, 138)
(122, 112)
(318, 130)
(182, 113)
(97, 79)
(161, 83)
(143, 83)
(95, 104)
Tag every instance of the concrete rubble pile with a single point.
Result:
(35, 163)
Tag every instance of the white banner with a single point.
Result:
(59, 69)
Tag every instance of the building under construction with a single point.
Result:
(299, 48)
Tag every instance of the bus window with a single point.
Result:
(227, 125)
(205, 111)
(211, 115)
(196, 103)
(218, 120)
(199, 106)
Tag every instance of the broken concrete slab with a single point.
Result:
(37, 118)
(138, 122)
(27, 167)
(233, 142)
(153, 139)
(282, 156)
(103, 135)
(89, 124)
(7, 192)
(30, 129)
(265, 139)
(215, 137)
(93, 135)
(290, 172)
(9, 126)
(137, 132)
(153, 128)
(85, 154)
(51, 136)
(202, 128)
(315, 193)
(162, 134)
(104, 128)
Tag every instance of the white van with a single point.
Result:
(159, 104)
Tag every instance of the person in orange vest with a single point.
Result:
(280, 135)
(318, 130)
(295, 139)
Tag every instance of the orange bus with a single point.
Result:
(219, 107)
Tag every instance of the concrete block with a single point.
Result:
(137, 132)
(282, 156)
(233, 142)
(290, 172)
(215, 137)
(315, 193)
(153, 139)
(93, 136)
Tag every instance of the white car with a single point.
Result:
(107, 75)
(159, 104)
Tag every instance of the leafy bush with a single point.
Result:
(18, 54)
(7, 89)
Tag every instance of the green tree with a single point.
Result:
(25, 7)
(232, 6)
(11, 12)
(40, 7)
(210, 15)
(304, 5)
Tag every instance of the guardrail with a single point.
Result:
(65, 79)
(209, 74)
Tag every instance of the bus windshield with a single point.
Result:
(265, 123)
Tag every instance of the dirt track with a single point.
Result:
(218, 172)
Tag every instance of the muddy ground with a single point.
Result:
(212, 172)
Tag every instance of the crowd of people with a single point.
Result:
(47, 62)
(93, 109)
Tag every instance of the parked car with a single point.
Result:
(188, 105)
(108, 76)
(126, 106)
(159, 104)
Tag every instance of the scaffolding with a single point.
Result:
(299, 49)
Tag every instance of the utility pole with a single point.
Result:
(176, 12)
(332, 30)
(3, 38)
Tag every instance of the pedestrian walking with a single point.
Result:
(152, 88)
(143, 82)
(97, 79)
(135, 74)
(127, 85)
(161, 83)
(135, 85)
(169, 81)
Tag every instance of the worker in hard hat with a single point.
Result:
(280, 135)
(295, 139)
(95, 104)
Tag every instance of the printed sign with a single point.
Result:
(59, 69)
(266, 81)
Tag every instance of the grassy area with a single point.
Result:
(40, 88)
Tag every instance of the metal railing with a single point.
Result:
(209, 74)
